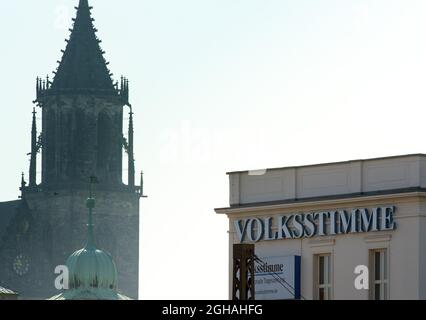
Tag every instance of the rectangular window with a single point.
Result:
(323, 276)
(379, 274)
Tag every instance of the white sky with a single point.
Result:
(222, 85)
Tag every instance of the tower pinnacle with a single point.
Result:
(83, 67)
(33, 161)
(131, 173)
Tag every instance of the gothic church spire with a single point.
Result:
(83, 67)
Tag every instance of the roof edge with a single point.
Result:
(330, 163)
(347, 196)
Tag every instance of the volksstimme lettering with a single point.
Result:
(308, 225)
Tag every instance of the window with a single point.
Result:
(323, 276)
(378, 274)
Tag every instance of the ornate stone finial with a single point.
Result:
(22, 188)
(23, 183)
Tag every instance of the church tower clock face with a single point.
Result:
(21, 264)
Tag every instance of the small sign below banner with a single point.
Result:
(277, 278)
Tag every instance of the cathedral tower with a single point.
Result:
(82, 113)
(81, 136)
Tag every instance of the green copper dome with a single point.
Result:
(92, 272)
(91, 268)
(92, 276)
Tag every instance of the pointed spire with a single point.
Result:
(131, 172)
(39, 89)
(23, 183)
(33, 161)
(124, 90)
(83, 66)
(83, 3)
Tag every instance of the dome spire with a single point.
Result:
(90, 204)
(92, 272)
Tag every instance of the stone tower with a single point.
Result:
(82, 136)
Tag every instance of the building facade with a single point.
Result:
(81, 136)
(357, 228)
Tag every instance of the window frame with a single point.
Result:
(383, 281)
(327, 284)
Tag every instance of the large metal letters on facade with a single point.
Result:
(307, 225)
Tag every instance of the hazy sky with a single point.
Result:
(222, 85)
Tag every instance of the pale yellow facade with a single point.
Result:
(396, 182)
